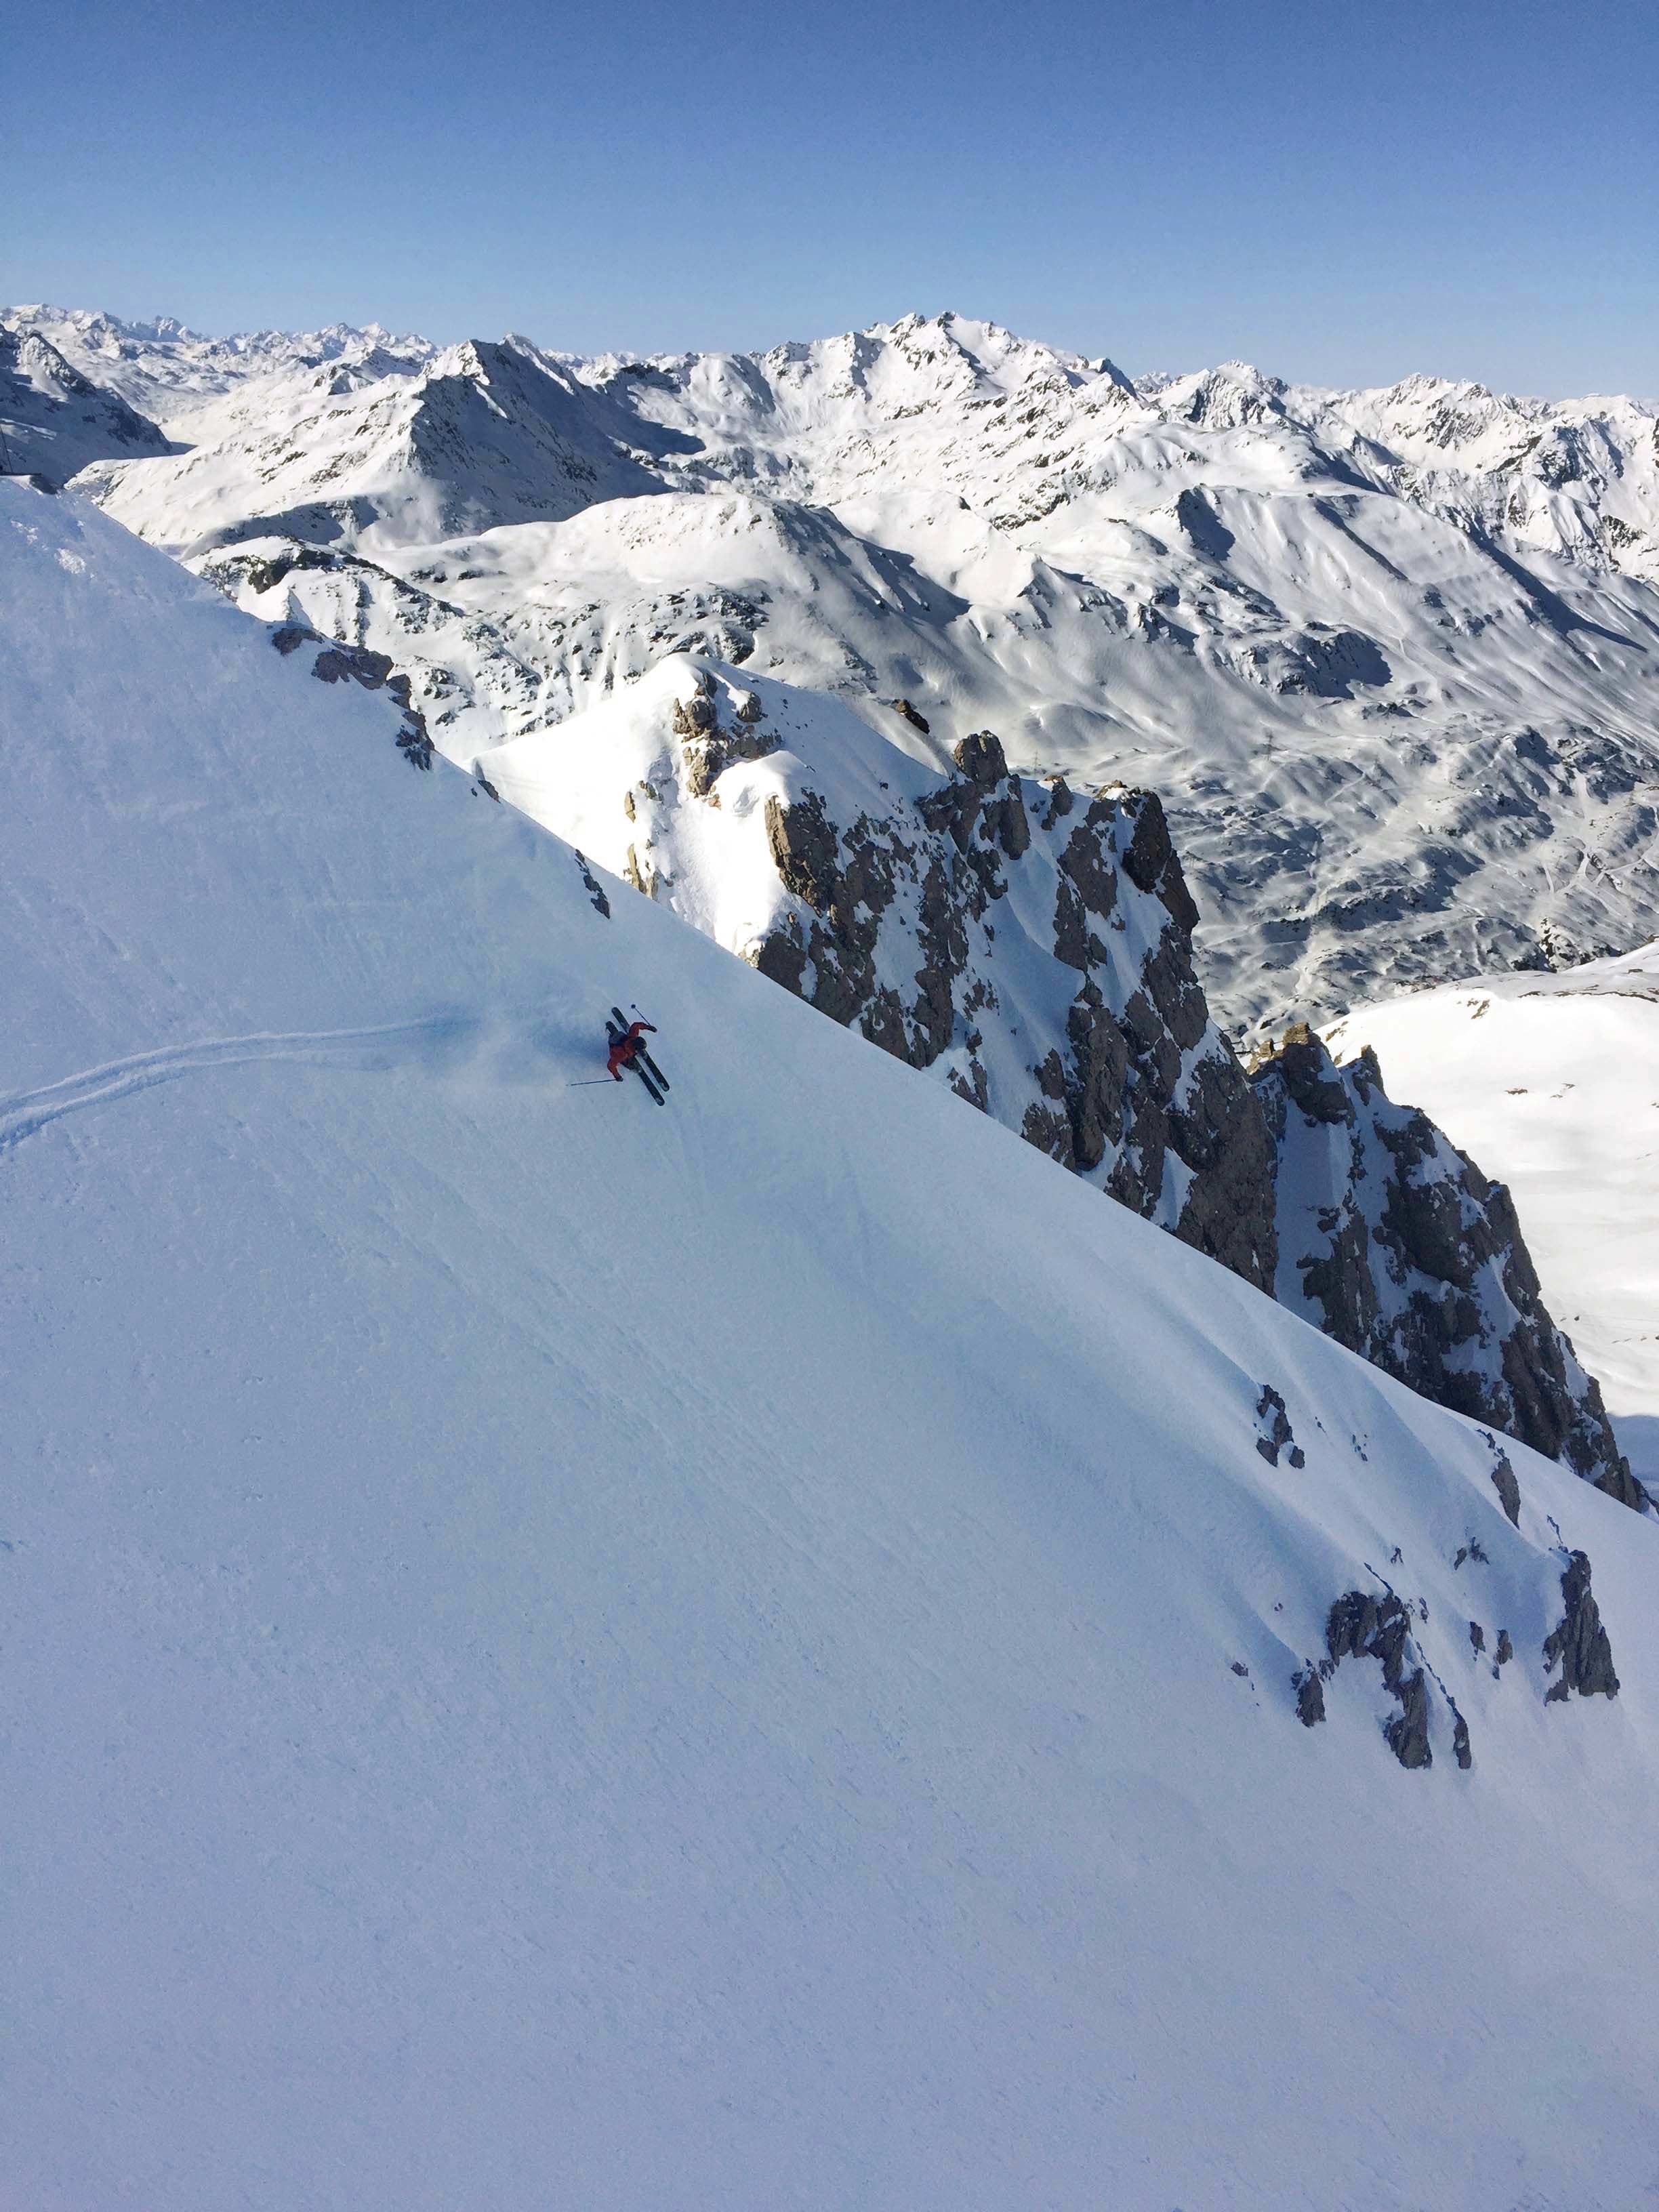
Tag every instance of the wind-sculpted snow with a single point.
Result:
(1029, 946)
(1390, 656)
(559, 1651)
(1393, 1242)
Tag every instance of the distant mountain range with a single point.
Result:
(1391, 657)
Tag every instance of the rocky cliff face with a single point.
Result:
(1028, 944)
(1393, 1242)
(1131, 1084)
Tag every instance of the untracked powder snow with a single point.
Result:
(765, 1651)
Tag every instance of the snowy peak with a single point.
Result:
(482, 434)
(1387, 656)
(53, 421)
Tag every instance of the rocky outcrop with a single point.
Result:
(1579, 1645)
(1393, 1242)
(1028, 946)
(1362, 1627)
(1035, 950)
(356, 664)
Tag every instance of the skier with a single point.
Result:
(626, 1049)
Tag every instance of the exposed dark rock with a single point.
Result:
(594, 888)
(981, 758)
(1059, 801)
(1138, 1084)
(904, 707)
(1477, 1636)
(1276, 1433)
(1150, 861)
(708, 756)
(375, 672)
(1509, 1490)
(1309, 1695)
(1460, 1751)
(1580, 1643)
(804, 849)
(1364, 1627)
(1396, 1245)
(694, 715)
(1504, 1652)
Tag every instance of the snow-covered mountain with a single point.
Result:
(54, 422)
(1390, 657)
(564, 1651)
(171, 374)
(1551, 1080)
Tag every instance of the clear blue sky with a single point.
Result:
(1339, 193)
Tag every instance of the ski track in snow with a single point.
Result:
(437, 1041)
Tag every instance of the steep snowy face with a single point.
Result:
(1552, 1081)
(1031, 948)
(54, 422)
(559, 1651)
(1393, 1242)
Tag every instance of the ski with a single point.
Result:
(644, 1055)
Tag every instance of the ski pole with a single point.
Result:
(588, 1082)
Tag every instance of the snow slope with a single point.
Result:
(1389, 656)
(559, 1651)
(1551, 1080)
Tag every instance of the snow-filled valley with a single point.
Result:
(773, 1649)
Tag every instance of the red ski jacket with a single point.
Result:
(625, 1050)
